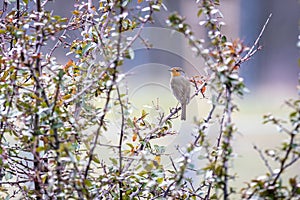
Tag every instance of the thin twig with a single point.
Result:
(283, 161)
(122, 129)
(252, 51)
(264, 159)
(44, 3)
(59, 40)
(91, 153)
(209, 116)
(227, 138)
(15, 182)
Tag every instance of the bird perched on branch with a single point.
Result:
(180, 86)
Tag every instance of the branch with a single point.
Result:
(59, 40)
(91, 153)
(264, 159)
(209, 117)
(252, 50)
(283, 165)
(15, 182)
(122, 129)
(44, 3)
(119, 97)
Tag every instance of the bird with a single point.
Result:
(180, 86)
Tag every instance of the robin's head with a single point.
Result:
(176, 71)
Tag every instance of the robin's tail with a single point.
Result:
(183, 111)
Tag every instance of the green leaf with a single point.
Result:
(124, 4)
(114, 161)
(144, 114)
(160, 180)
(224, 39)
(156, 7)
(95, 159)
(57, 125)
(44, 178)
(149, 167)
(87, 47)
(200, 11)
(88, 183)
(169, 123)
(8, 176)
(61, 73)
(130, 145)
(129, 54)
(130, 123)
(40, 149)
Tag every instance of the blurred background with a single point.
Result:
(271, 75)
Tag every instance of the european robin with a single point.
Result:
(180, 86)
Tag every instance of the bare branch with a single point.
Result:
(264, 159)
(209, 117)
(284, 159)
(252, 50)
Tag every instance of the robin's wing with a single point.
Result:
(188, 90)
(181, 89)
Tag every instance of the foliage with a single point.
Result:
(48, 109)
(270, 185)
